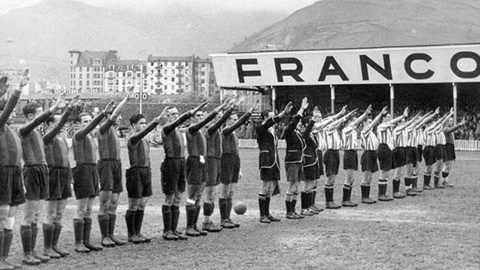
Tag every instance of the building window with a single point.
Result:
(173, 79)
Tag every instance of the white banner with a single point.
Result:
(429, 64)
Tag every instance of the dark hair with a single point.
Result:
(305, 120)
(82, 114)
(264, 114)
(135, 118)
(50, 119)
(31, 108)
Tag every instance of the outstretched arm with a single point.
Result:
(49, 136)
(242, 120)
(95, 122)
(151, 126)
(398, 119)
(28, 127)
(182, 118)
(116, 112)
(362, 117)
(376, 121)
(13, 100)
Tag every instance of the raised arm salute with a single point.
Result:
(173, 170)
(368, 161)
(35, 174)
(60, 174)
(212, 161)
(230, 162)
(110, 173)
(350, 156)
(196, 169)
(269, 163)
(139, 175)
(449, 149)
(12, 195)
(85, 179)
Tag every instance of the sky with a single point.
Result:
(282, 6)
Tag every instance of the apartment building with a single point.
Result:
(178, 75)
(123, 74)
(87, 70)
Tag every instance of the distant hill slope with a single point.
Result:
(42, 34)
(371, 23)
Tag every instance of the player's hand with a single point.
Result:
(75, 100)
(25, 78)
(109, 108)
(405, 112)
(317, 115)
(254, 106)
(384, 110)
(369, 109)
(304, 103)
(288, 108)
(344, 110)
(452, 111)
(437, 111)
(164, 113)
(3, 85)
(202, 160)
(199, 107)
(61, 102)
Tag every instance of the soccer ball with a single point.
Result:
(240, 208)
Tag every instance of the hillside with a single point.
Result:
(41, 35)
(371, 23)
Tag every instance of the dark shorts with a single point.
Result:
(60, 179)
(312, 172)
(398, 157)
(11, 186)
(85, 180)
(230, 168)
(385, 157)
(173, 175)
(439, 151)
(213, 171)
(196, 171)
(331, 159)
(419, 153)
(110, 173)
(450, 152)
(411, 155)
(369, 161)
(429, 155)
(35, 178)
(139, 182)
(270, 174)
(295, 172)
(350, 160)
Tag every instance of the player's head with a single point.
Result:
(10, 117)
(266, 114)
(138, 122)
(31, 110)
(386, 118)
(118, 121)
(52, 121)
(198, 116)
(449, 122)
(232, 119)
(172, 114)
(85, 119)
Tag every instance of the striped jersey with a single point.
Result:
(411, 136)
(384, 135)
(430, 137)
(332, 139)
(399, 138)
(420, 136)
(369, 140)
(441, 139)
(349, 137)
